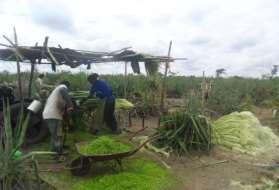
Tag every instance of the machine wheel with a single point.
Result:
(37, 130)
(80, 166)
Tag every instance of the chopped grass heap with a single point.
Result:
(137, 174)
(244, 133)
(104, 145)
(79, 94)
(123, 104)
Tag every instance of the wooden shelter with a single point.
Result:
(74, 58)
(55, 56)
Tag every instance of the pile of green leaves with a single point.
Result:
(79, 94)
(182, 132)
(82, 95)
(243, 132)
(137, 174)
(123, 104)
(104, 145)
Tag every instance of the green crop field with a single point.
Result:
(226, 95)
(194, 123)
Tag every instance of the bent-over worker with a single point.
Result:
(58, 103)
(102, 90)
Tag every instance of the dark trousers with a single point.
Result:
(55, 128)
(109, 116)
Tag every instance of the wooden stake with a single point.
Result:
(18, 68)
(203, 86)
(31, 78)
(164, 85)
(33, 62)
(126, 81)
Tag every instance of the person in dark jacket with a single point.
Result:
(102, 90)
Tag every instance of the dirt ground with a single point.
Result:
(219, 169)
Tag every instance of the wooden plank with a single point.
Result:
(9, 46)
(10, 41)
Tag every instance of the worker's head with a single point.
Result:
(93, 78)
(66, 83)
(41, 75)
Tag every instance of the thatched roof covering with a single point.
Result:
(74, 58)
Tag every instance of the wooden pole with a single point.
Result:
(203, 86)
(126, 81)
(164, 85)
(33, 62)
(31, 78)
(18, 68)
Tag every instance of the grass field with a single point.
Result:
(226, 95)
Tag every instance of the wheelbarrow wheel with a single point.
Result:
(80, 166)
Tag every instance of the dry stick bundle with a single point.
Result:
(151, 66)
(135, 66)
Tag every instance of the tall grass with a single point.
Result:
(13, 171)
(227, 94)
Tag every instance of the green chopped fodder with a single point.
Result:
(123, 104)
(137, 174)
(104, 145)
(243, 132)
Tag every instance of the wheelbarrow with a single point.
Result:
(82, 163)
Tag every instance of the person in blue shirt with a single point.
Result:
(102, 90)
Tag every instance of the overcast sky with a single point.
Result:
(241, 36)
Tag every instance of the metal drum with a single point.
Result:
(35, 106)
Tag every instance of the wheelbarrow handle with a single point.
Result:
(144, 143)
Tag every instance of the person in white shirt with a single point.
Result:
(58, 103)
(42, 89)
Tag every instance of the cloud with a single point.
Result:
(53, 15)
(129, 21)
(200, 41)
(241, 45)
(199, 15)
(240, 36)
